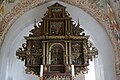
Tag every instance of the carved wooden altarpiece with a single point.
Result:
(56, 47)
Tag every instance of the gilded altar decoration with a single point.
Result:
(56, 48)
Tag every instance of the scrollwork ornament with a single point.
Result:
(85, 70)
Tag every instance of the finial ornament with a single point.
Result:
(78, 23)
(35, 23)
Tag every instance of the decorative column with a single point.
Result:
(44, 28)
(66, 28)
(47, 53)
(28, 53)
(49, 57)
(47, 31)
(85, 51)
(66, 56)
(43, 52)
(70, 59)
(69, 27)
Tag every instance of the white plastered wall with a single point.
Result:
(13, 69)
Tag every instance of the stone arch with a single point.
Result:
(57, 44)
(85, 29)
